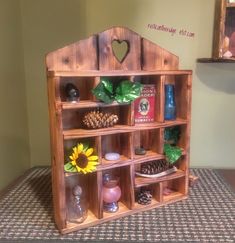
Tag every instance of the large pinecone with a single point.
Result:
(155, 167)
(97, 119)
(144, 197)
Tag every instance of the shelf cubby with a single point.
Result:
(150, 140)
(73, 118)
(83, 84)
(154, 190)
(124, 175)
(177, 187)
(92, 142)
(182, 84)
(116, 143)
(183, 136)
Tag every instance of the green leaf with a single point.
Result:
(172, 153)
(69, 167)
(127, 91)
(107, 85)
(102, 92)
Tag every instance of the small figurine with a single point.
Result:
(140, 151)
(72, 93)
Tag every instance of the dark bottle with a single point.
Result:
(72, 93)
(170, 108)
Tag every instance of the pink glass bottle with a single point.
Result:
(111, 193)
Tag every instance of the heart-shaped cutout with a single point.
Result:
(120, 49)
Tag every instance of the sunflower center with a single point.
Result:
(82, 161)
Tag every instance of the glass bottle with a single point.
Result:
(78, 207)
(170, 107)
(111, 193)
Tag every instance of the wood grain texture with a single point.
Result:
(219, 27)
(107, 59)
(156, 58)
(116, 73)
(57, 155)
(145, 62)
(74, 57)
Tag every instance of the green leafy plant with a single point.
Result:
(172, 153)
(125, 92)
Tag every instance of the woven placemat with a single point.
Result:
(207, 216)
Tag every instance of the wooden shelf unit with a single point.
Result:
(149, 64)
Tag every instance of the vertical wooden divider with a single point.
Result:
(131, 115)
(132, 186)
(158, 192)
(99, 148)
(95, 83)
(57, 153)
(95, 194)
(159, 103)
(161, 141)
(188, 131)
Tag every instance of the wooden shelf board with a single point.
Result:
(123, 211)
(150, 155)
(172, 196)
(216, 60)
(113, 73)
(87, 104)
(106, 164)
(91, 218)
(124, 162)
(139, 206)
(144, 181)
(82, 133)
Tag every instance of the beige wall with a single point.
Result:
(48, 25)
(14, 147)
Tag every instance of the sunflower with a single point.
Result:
(82, 160)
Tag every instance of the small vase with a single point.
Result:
(111, 193)
(170, 107)
(78, 209)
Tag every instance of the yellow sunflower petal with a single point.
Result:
(83, 171)
(78, 168)
(71, 157)
(73, 163)
(75, 150)
(94, 157)
(89, 152)
(80, 148)
(93, 162)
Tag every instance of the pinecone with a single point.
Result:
(97, 119)
(144, 197)
(155, 167)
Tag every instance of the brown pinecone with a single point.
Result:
(144, 197)
(155, 167)
(97, 119)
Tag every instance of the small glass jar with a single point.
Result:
(78, 207)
